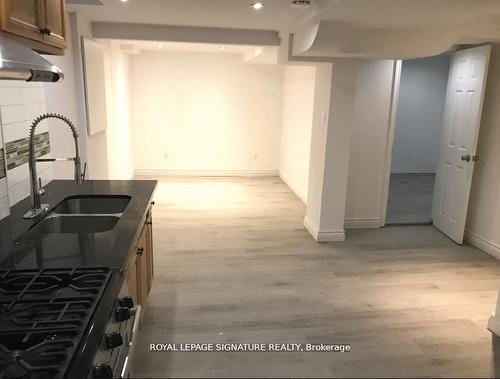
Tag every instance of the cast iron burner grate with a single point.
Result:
(43, 315)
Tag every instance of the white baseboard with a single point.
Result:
(323, 236)
(481, 243)
(413, 171)
(363, 223)
(144, 172)
(302, 196)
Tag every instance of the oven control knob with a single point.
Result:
(122, 314)
(103, 371)
(113, 339)
(126, 302)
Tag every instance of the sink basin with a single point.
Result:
(94, 204)
(76, 224)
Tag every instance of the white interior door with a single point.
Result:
(461, 120)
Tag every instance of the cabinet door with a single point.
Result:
(53, 21)
(131, 279)
(22, 18)
(149, 249)
(142, 287)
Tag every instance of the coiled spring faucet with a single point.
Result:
(37, 191)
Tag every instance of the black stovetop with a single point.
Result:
(44, 315)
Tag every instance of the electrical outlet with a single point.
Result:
(165, 155)
(256, 157)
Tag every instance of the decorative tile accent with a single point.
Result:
(3, 170)
(18, 150)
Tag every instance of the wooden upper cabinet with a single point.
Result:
(53, 21)
(37, 23)
(22, 18)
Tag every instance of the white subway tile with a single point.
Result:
(33, 110)
(12, 113)
(13, 83)
(11, 96)
(15, 131)
(17, 175)
(21, 173)
(4, 208)
(3, 187)
(43, 166)
(47, 175)
(35, 84)
(43, 126)
(18, 130)
(33, 95)
(19, 192)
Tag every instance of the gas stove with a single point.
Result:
(43, 317)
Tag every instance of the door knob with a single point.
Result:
(465, 158)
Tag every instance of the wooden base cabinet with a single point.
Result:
(139, 274)
(39, 24)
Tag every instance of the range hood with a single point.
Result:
(18, 62)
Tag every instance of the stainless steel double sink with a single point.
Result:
(84, 214)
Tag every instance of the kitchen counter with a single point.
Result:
(20, 250)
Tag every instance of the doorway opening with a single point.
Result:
(450, 152)
(418, 128)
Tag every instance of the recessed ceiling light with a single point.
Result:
(257, 5)
(160, 45)
(223, 47)
(123, 1)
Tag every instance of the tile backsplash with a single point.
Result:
(20, 104)
(3, 168)
(17, 152)
(4, 200)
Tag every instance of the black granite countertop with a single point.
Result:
(21, 250)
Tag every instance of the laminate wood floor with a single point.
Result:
(410, 198)
(233, 263)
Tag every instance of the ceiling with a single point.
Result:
(276, 14)
(363, 28)
(408, 13)
(279, 15)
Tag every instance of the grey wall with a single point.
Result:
(419, 114)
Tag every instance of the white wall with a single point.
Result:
(204, 112)
(334, 97)
(419, 114)
(108, 154)
(483, 218)
(367, 166)
(296, 124)
(120, 157)
(97, 144)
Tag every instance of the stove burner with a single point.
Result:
(43, 315)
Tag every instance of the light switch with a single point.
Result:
(323, 118)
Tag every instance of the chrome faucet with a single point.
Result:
(37, 191)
